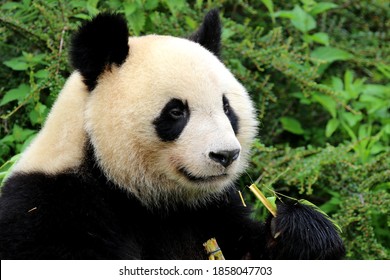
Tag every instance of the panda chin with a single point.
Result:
(202, 179)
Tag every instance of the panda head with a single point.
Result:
(167, 120)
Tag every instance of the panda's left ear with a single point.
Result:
(209, 33)
(98, 44)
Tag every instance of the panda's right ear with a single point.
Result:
(98, 44)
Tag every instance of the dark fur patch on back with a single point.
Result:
(98, 44)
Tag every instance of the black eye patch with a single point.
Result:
(229, 112)
(172, 120)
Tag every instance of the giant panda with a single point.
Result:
(138, 159)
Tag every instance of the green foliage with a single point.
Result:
(291, 125)
(318, 72)
(356, 195)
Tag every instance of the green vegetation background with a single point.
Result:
(319, 73)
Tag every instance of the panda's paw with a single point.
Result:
(300, 232)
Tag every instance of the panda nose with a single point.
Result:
(225, 157)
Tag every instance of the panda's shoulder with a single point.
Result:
(28, 195)
(38, 186)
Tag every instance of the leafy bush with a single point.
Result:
(319, 73)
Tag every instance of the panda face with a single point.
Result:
(206, 149)
(171, 122)
(197, 122)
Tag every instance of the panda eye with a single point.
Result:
(229, 111)
(226, 108)
(176, 113)
(172, 120)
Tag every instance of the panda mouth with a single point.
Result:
(193, 178)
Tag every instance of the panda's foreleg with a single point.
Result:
(300, 232)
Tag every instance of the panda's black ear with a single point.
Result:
(98, 44)
(209, 33)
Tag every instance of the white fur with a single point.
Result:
(118, 117)
(121, 110)
(59, 146)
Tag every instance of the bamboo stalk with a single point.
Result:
(263, 199)
(213, 250)
(242, 198)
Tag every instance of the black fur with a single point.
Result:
(209, 33)
(233, 118)
(81, 215)
(98, 44)
(298, 226)
(172, 120)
